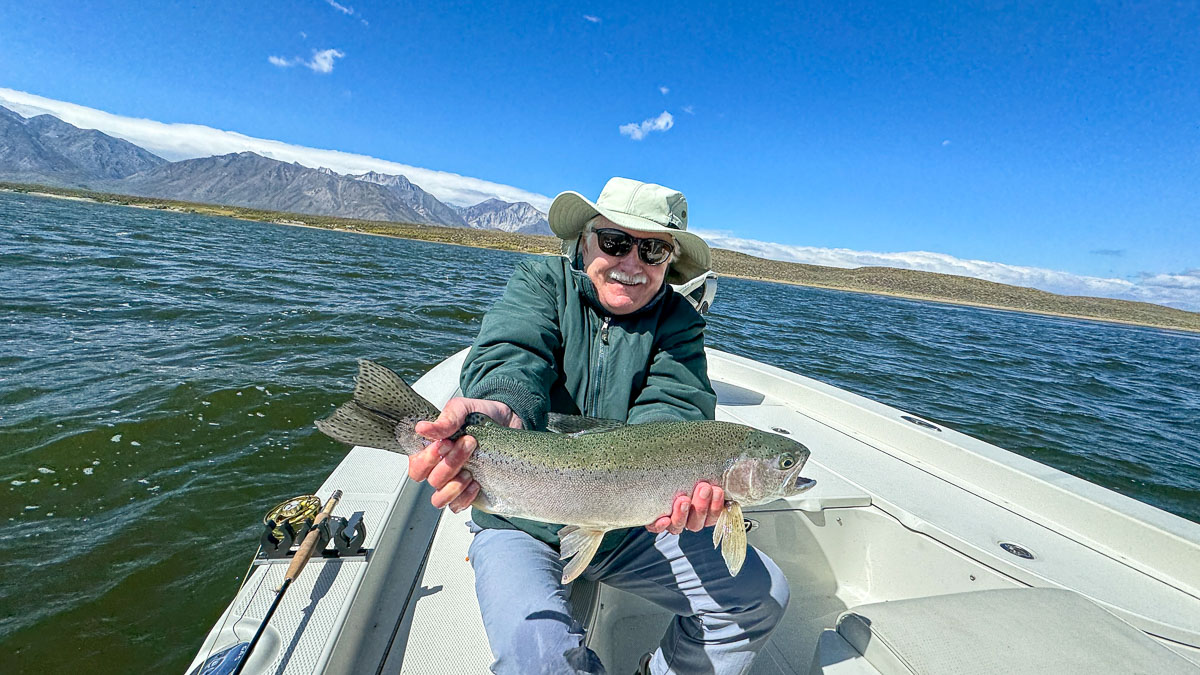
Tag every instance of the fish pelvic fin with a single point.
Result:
(580, 544)
(730, 534)
(381, 414)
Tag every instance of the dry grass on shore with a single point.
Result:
(877, 280)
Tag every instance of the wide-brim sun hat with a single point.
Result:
(637, 206)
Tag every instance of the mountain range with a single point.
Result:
(46, 150)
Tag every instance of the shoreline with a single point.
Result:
(977, 305)
(350, 226)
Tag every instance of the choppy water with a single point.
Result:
(159, 375)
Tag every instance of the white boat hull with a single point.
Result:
(902, 510)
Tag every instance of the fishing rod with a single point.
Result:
(311, 541)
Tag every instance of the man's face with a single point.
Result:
(624, 284)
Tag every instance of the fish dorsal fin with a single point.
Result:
(383, 392)
(580, 544)
(730, 535)
(576, 424)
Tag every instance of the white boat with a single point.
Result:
(920, 550)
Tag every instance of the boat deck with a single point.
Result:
(899, 511)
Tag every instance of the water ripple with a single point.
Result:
(160, 372)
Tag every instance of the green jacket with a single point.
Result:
(548, 345)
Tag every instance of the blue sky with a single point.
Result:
(997, 138)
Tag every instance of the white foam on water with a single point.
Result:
(88, 471)
(134, 443)
(116, 439)
(32, 507)
(45, 470)
(17, 483)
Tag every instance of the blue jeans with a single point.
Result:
(720, 621)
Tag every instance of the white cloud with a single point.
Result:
(691, 110)
(664, 90)
(348, 11)
(638, 131)
(1180, 290)
(188, 141)
(593, 19)
(322, 61)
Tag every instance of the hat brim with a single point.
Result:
(571, 211)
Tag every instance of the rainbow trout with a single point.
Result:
(603, 476)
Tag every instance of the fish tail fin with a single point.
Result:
(730, 534)
(381, 390)
(580, 544)
(382, 414)
(353, 424)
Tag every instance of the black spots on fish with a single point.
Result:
(381, 390)
(352, 424)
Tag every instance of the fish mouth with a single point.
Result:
(803, 484)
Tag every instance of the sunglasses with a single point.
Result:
(618, 244)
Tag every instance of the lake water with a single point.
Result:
(160, 373)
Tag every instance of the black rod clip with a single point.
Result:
(278, 539)
(349, 535)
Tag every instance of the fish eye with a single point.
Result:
(787, 462)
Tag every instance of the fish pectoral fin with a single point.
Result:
(580, 545)
(730, 534)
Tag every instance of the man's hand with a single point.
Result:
(441, 463)
(695, 513)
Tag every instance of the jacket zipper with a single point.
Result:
(599, 370)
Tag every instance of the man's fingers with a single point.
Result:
(420, 464)
(716, 505)
(697, 516)
(701, 497)
(454, 487)
(449, 421)
(679, 514)
(442, 427)
(464, 500)
(659, 525)
(452, 463)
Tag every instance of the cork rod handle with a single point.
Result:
(312, 539)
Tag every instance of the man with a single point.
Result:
(599, 332)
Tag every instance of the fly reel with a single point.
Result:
(286, 525)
